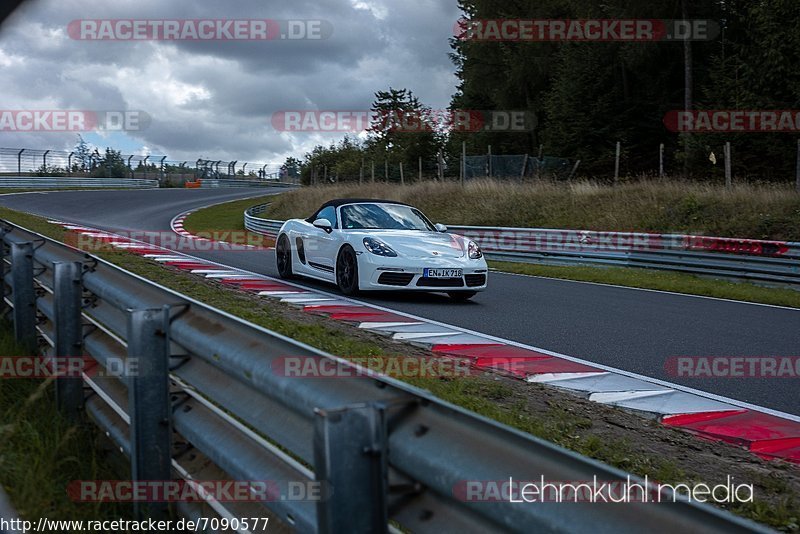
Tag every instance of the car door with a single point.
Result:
(320, 246)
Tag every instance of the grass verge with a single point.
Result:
(620, 439)
(226, 218)
(662, 281)
(754, 211)
(41, 452)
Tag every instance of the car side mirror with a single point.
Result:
(323, 224)
(441, 228)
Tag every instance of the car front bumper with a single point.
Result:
(380, 273)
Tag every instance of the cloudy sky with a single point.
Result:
(215, 99)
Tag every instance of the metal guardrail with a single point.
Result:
(215, 183)
(254, 223)
(384, 450)
(749, 259)
(9, 514)
(27, 182)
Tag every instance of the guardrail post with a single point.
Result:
(149, 409)
(68, 333)
(23, 295)
(350, 460)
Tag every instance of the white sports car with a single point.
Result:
(380, 245)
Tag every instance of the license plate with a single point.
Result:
(443, 273)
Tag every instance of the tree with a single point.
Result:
(402, 128)
(292, 166)
(111, 165)
(82, 160)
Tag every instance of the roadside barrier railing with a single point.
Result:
(749, 259)
(254, 223)
(206, 402)
(44, 182)
(776, 262)
(216, 183)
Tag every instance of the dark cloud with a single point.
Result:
(216, 98)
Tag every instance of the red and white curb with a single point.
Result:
(767, 433)
(176, 224)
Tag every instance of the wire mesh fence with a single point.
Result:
(442, 169)
(34, 162)
(517, 166)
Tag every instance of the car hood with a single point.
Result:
(420, 245)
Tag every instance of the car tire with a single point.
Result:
(283, 257)
(462, 296)
(347, 270)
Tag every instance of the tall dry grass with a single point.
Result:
(755, 211)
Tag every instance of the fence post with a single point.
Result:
(463, 162)
(661, 160)
(67, 294)
(541, 152)
(797, 177)
(386, 170)
(420, 168)
(489, 165)
(19, 161)
(574, 170)
(524, 167)
(149, 405)
(402, 176)
(373, 171)
(728, 167)
(350, 460)
(616, 162)
(361, 173)
(23, 296)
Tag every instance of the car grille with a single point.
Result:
(395, 279)
(475, 280)
(440, 282)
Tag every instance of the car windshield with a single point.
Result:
(383, 217)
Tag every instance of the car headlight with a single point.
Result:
(378, 247)
(474, 250)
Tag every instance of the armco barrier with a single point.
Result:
(9, 514)
(763, 261)
(215, 183)
(254, 223)
(27, 182)
(384, 451)
(749, 259)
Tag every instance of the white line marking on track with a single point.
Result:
(648, 290)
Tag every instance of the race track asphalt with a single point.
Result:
(628, 329)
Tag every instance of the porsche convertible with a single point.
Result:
(363, 245)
